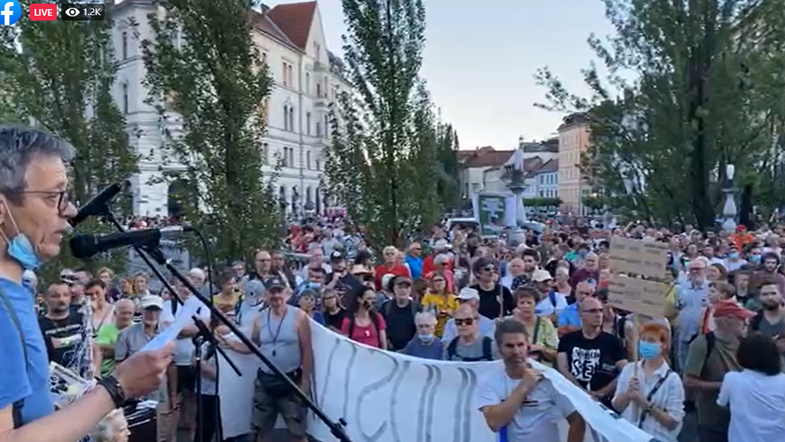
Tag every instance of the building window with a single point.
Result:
(308, 160)
(285, 158)
(125, 45)
(125, 98)
(327, 126)
(318, 129)
(308, 123)
(307, 83)
(285, 117)
(291, 118)
(291, 157)
(318, 50)
(318, 165)
(265, 153)
(318, 90)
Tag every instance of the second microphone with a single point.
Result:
(87, 246)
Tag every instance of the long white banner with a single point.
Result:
(389, 397)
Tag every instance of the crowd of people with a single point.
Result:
(468, 300)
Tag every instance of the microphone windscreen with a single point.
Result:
(83, 246)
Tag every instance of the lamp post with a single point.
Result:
(729, 211)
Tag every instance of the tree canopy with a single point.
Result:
(689, 89)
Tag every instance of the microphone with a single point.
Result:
(97, 204)
(87, 246)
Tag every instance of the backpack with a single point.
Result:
(386, 307)
(487, 351)
(18, 405)
(552, 297)
(374, 320)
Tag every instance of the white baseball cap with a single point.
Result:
(468, 293)
(541, 275)
(152, 301)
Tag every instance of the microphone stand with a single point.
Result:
(336, 428)
(198, 341)
(107, 215)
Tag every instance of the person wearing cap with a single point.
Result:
(341, 280)
(550, 302)
(691, 296)
(392, 265)
(283, 334)
(710, 358)
(365, 274)
(130, 341)
(485, 326)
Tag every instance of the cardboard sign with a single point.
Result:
(637, 295)
(645, 258)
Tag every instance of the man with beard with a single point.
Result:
(341, 280)
(517, 402)
(769, 264)
(771, 320)
(62, 327)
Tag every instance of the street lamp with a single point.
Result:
(729, 211)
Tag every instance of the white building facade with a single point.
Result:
(306, 77)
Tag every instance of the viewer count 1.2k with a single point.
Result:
(68, 11)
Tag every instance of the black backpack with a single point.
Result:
(487, 351)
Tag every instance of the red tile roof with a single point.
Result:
(295, 20)
(484, 157)
(550, 166)
(265, 24)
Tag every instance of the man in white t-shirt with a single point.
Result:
(183, 354)
(551, 302)
(517, 401)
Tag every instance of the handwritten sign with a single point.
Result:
(637, 295)
(645, 258)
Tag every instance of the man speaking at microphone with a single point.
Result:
(34, 212)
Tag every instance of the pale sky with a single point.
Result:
(480, 58)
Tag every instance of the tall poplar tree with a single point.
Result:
(203, 65)
(372, 165)
(60, 75)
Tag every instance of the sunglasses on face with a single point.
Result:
(489, 269)
(464, 321)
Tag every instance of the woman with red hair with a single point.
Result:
(648, 393)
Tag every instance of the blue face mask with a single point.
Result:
(648, 350)
(583, 253)
(755, 258)
(426, 337)
(733, 256)
(21, 249)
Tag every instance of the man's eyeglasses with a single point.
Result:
(58, 198)
(593, 310)
(465, 321)
(489, 268)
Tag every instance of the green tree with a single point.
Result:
(660, 142)
(217, 85)
(60, 75)
(384, 154)
(448, 185)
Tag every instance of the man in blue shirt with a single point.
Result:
(34, 211)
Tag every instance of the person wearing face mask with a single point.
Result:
(425, 344)
(649, 393)
(734, 261)
(35, 207)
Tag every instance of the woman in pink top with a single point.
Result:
(363, 324)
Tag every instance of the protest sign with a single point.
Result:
(644, 258)
(637, 295)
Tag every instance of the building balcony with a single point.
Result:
(321, 101)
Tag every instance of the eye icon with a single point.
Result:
(72, 12)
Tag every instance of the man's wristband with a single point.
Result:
(115, 390)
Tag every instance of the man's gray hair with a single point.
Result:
(19, 146)
(424, 316)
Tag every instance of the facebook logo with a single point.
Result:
(11, 12)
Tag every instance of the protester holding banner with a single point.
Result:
(517, 402)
